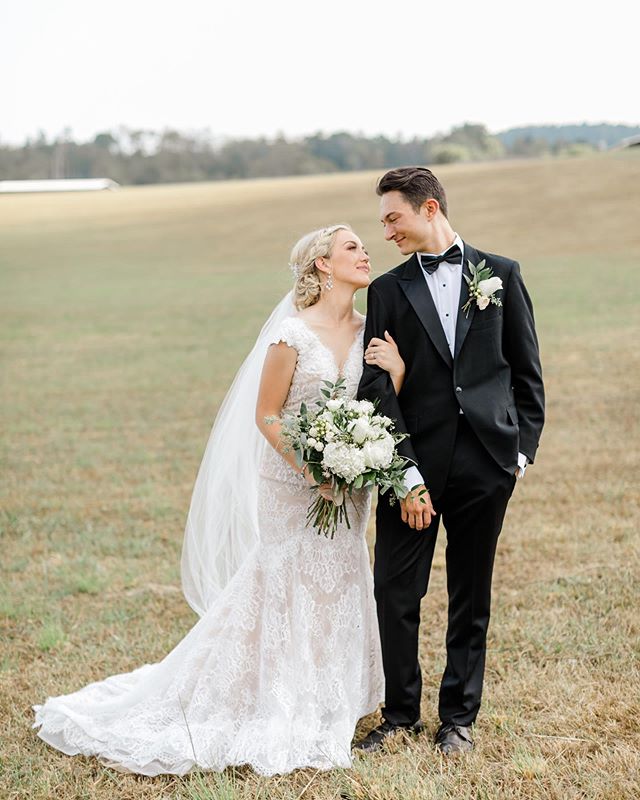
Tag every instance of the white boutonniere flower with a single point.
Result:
(482, 287)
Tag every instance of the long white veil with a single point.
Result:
(222, 525)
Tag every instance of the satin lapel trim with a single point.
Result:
(415, 287)
(463, 322)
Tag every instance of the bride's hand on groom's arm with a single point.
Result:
(416, 508)
(384, 353)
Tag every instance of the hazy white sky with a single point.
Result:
(248, 69)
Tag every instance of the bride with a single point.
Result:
(285, 657)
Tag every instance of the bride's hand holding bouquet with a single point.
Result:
(342, 445)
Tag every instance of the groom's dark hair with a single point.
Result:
(417, 184)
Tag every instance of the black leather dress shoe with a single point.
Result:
(377, 737)
(452, 739)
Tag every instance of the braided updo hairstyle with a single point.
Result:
(309, 279)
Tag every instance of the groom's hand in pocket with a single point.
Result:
(416, 508)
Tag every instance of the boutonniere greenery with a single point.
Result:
(482, 287)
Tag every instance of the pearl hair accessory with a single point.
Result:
(295, 268)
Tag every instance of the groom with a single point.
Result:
(473, 404)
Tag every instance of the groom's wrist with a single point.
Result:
(413, 478)
(522, 465)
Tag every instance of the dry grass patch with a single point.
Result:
(123, 319)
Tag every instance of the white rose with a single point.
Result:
(329, 436)
(311, 442)
(489, 286)
(319, 446)
(483, 302)
(378, 454)
(335, 404)
(360, 430)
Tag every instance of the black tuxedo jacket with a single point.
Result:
(494, 375)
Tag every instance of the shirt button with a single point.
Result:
(444, 285)
(446, 315)
(458, 389)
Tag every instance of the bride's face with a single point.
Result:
(349, 261)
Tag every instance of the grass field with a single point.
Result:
(123, 318)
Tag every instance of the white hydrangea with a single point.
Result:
(344, 460)
(360, 406)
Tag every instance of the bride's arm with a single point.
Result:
(384, 353)
(277, 374)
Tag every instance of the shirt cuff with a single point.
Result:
(522, 465)
(412, 477)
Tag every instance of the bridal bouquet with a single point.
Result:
(345, 443)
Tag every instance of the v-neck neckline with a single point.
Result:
(329, 350)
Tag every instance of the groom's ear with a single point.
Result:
(430, 208)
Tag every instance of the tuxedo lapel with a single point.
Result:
(463, 320)
(415, 287)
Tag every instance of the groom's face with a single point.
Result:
(404, 225)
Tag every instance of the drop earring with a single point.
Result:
(329, 284)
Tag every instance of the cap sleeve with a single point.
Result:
(288, 332)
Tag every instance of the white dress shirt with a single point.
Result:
(444, 285)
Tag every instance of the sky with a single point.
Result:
(249, 69)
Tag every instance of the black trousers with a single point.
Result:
(472, 508)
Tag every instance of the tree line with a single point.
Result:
(143, 156)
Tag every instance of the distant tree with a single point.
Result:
(575, 149)
(449, 153)
(106, 141)
(476, 140)
(529, 146)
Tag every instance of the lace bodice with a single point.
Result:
(317, 363)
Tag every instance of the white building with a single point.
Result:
(58, 185)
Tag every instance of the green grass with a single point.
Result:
(124, 316)
(50, 637)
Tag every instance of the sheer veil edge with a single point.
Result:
(222, 525)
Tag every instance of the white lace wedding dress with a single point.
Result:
(279, 670)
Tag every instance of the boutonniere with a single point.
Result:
(482, 287)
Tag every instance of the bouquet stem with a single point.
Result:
(325, 515)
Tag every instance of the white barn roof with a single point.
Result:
(630, 141)
(59, 185)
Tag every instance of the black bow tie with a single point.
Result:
(430, 263)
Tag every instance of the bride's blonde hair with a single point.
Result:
(317, 244)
